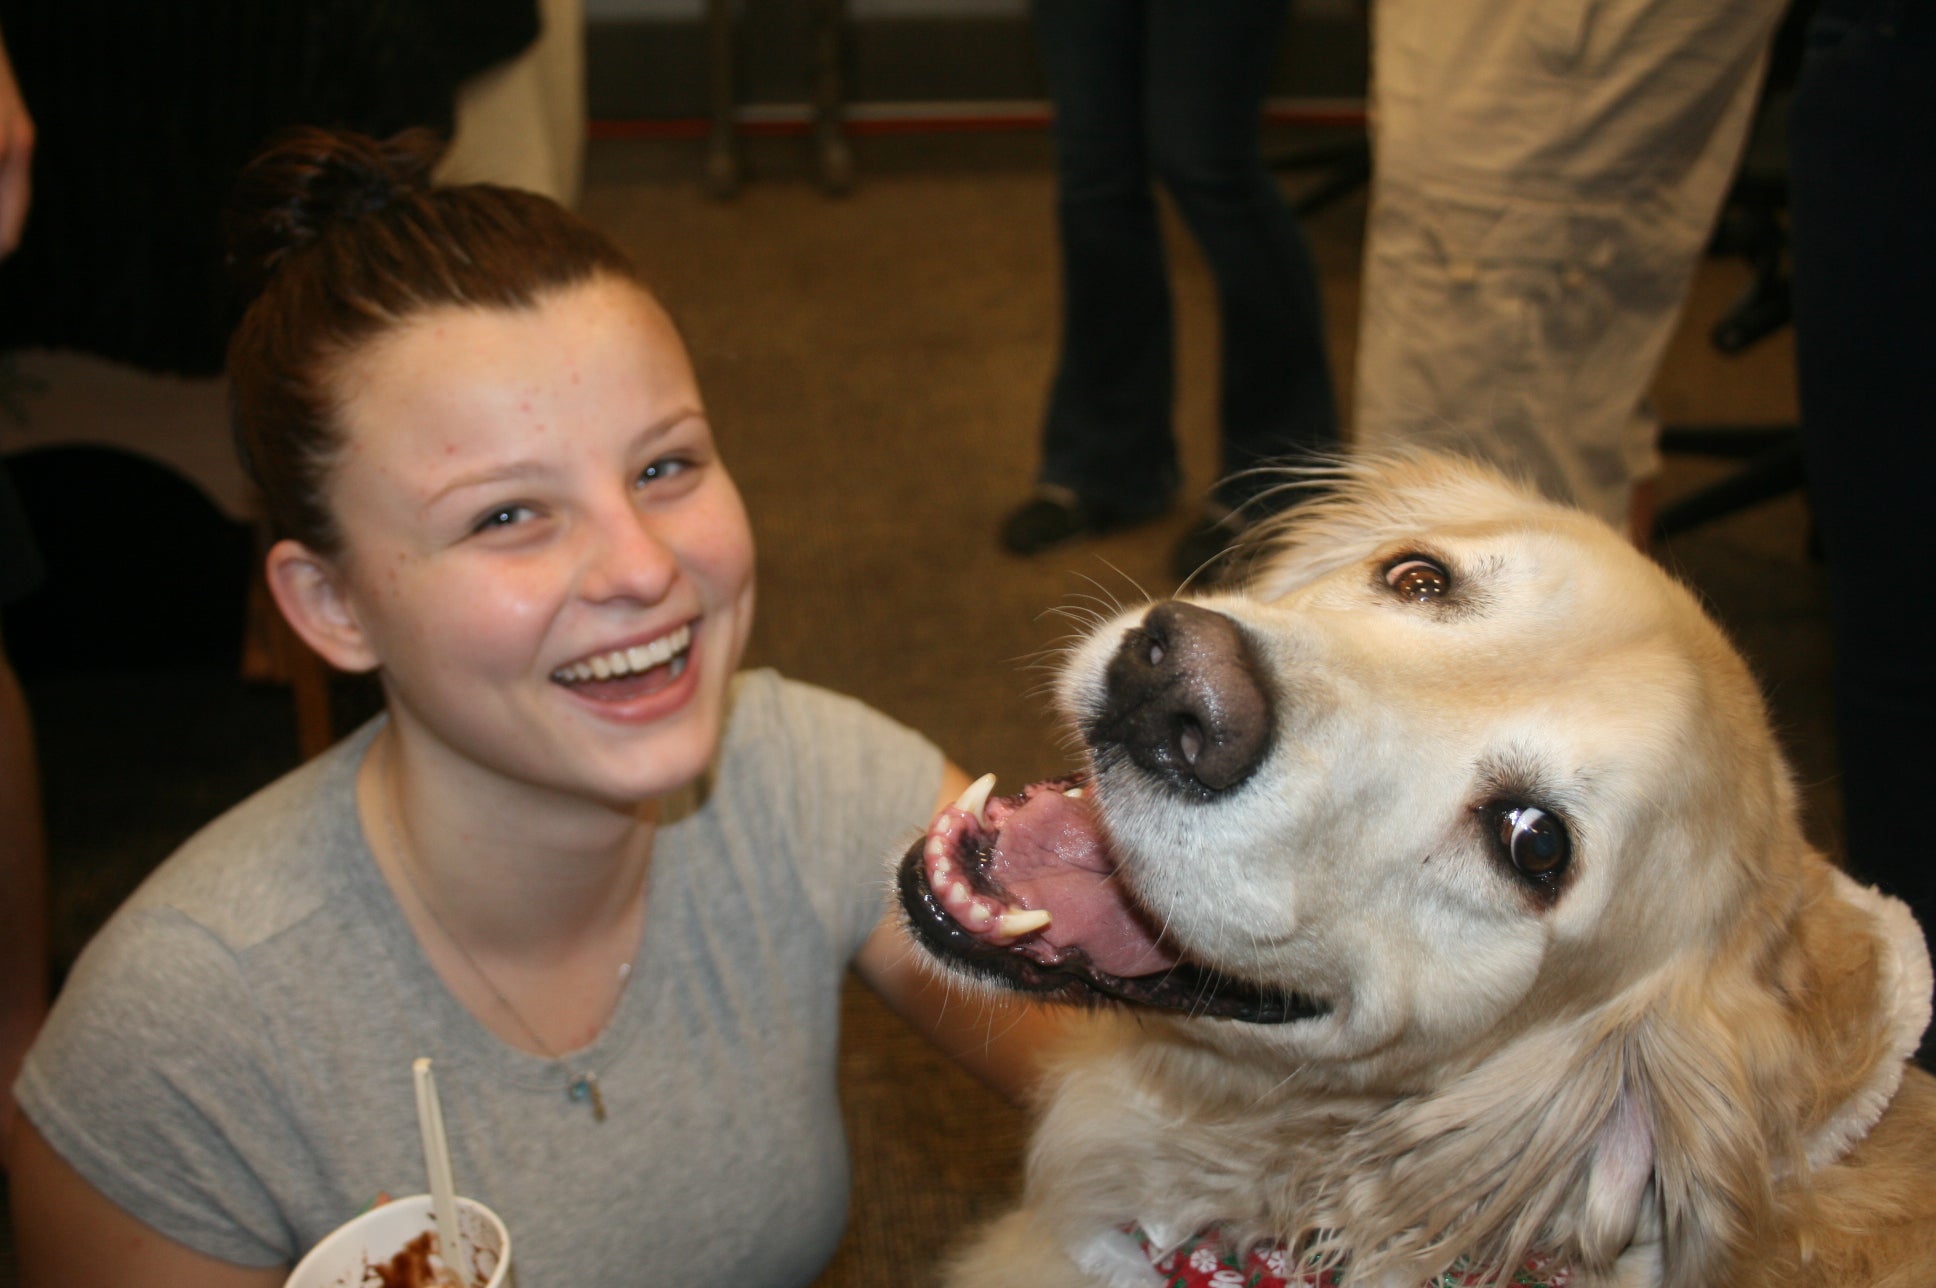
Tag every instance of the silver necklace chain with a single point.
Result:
(580, 1084)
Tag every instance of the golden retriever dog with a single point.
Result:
(1448, 890)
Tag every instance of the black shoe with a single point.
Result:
(1212, 551)
(1055, 516)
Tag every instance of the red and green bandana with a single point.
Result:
(1201, 1262)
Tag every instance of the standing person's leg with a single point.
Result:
(1863, 205)
(1210, 67)
(1108, 457)
(1544, 180)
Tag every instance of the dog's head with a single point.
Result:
(1465, 802)
(1457, 757)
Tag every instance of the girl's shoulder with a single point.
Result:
(271, 859)
(769, 711)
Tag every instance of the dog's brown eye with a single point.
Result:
(1535, 841)
(1418, 579)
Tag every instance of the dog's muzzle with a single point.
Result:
(1185, 699)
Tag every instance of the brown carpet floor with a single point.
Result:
(875, 367)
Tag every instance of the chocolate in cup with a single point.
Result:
(394, 1245)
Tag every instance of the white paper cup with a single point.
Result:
(349, 1257)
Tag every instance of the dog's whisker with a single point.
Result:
(1141, 594)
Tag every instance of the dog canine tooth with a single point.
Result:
(975, 799)
(1027, 921)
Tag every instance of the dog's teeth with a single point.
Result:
(1074, 793)
(975, 799)
(1016, 924)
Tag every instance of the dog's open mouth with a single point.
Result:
(1023, 890)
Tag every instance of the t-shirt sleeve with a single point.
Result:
(861, 788)
(154, 1079)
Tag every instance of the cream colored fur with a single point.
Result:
(1687, 1069)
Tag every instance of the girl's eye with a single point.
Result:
(502, 516)
(664, 468)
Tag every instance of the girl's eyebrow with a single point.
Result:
(521, 470)
(512, 472)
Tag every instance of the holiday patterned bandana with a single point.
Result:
(1201, 1262)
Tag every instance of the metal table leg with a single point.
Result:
(722, 149)
(835, 157)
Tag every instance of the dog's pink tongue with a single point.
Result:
(1049, 853)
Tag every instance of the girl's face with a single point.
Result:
(542, 549)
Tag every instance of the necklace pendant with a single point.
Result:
(585, 1087)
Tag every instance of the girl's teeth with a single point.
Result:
(630, 661)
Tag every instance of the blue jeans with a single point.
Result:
(1172, 91)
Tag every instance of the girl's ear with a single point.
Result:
(309, 590)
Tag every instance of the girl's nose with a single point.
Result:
(627, 558)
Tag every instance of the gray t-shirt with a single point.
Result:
(230, 1060)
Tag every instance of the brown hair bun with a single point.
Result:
(311, 180)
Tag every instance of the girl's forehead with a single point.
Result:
(604, 311)
(603, 344)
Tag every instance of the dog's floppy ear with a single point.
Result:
(1774, 1063)
(1667, 1116)
(1619, 1169)
(1581, 1137)
(1548, 1143)
(1712, 1178)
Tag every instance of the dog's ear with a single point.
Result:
(1619, 1168)
(1856, 987)
(1548, 1143)
(1711, 1174)
(1668, 1115)
(1774, 1062)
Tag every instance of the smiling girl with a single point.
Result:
(608, 882)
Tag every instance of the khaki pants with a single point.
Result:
(522, 123)
(1546, 175)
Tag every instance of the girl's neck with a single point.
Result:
(509, 869)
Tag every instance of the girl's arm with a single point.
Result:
(998, 1039)
(70, 1235)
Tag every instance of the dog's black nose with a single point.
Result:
(1185, 699)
